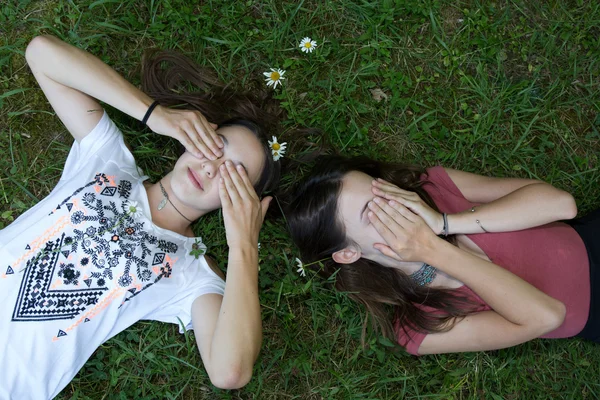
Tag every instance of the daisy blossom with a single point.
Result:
(132, 208)
(277, 149)
(307, 45)
(274, 77)
(300, 269)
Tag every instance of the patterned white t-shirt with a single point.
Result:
(86, 263)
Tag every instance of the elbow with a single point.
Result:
(568, 206)
(37, 46)
(553, 318)
(234, 377)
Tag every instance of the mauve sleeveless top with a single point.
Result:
(551, 257)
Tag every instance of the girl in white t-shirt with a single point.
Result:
(105, 249)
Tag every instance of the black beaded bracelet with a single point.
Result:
(150, 109)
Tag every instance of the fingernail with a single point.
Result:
(228, 163)
(222, 167)
(240, 167)
(371, 205)
(377, 200)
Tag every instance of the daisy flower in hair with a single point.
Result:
(277, 149)
(274, 77)
(307, 45)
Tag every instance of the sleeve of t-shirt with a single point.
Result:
(200, 280)
(103, 144)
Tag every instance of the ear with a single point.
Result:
(346, 256)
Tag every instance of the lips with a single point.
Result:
(195, 179)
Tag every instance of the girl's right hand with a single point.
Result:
(190, 128)
(407, 236)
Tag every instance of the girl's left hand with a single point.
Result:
(412, 201)
(407, 236)
(243, 211)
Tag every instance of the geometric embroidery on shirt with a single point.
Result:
(38, 302)
(109, 191)
(107, 242)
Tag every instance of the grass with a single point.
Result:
(505, 88)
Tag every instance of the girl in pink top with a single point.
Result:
(467, 262)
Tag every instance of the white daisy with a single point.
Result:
(132, 208)
(277, 149)
(300, 269)
(307, 45)
(274, 77)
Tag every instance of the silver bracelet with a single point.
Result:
(479, 223)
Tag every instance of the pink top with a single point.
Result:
(552, 258)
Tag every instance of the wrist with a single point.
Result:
(441, 225)
(152, 114)
(438, 252)
(244, 250)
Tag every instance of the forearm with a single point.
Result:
(77, 69)
(530, 206)
(238, 332)
(507, 294)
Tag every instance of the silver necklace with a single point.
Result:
(424, 275)
(163, 202)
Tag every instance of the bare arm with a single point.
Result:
(73, 80)
(509, 204)
(229, 330)
(521, 311)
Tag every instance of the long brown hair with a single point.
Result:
(175, 80)
(312, 216)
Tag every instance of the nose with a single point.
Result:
(211, 167)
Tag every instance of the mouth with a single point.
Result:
(195, 179)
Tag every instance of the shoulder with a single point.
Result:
(215, 268)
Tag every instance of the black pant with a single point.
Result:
(588, 227)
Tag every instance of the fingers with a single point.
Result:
(249, 186)
(264, 205)
(382, 222)
(230, 186)
(394, 214)
(401, 208)
(223, 194)
(383, 188)
(199, 149)
(209, 137)
(387, 251)
(239, 181)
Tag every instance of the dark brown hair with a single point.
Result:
(312, 215)
(175, 80)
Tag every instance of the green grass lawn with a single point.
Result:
(505, 88)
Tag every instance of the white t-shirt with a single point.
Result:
(82, 266)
